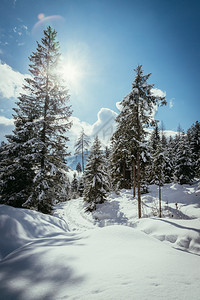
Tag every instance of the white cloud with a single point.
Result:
(6, 127)
(20, 29)
(20, 44)
(5, 121)
(171, 102)
(103, 128)
(25, 27)
(11, 81)
(157, 92)
(169, 133)
(118, 105)
(105, 125)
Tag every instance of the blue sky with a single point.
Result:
(102, 42)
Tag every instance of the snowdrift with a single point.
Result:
(20, 226)
(108, 254)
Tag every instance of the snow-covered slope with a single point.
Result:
(109, 254)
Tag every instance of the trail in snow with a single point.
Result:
(180, 208)
(73, 213)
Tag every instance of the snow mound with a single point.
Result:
(76, 255)
(179, 227)
(183, 235)
(113, 262)
(20, 226)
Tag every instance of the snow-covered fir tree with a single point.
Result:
(193, 135)
(78, 167)
(158, 140)
(81, 146)
(184, 167)
(38, 147)
(107, 156)
(154, 140)
(74, 186)
(171, 158)
(81, 187)
(118, 164)
(158, 170)
(64, 188)
(95, 177)
(162, 133)
(136, 115)
(17, 160)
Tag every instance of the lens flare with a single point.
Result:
(41, 16)
(44, 21)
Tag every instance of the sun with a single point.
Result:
(71, 72)
(76, 67)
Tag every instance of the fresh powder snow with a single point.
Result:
(106, 254)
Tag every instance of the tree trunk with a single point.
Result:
(82, 157)
(160, 215)
(133, 178)
(44, 129)
(45, 113)
(138, 184)
(124, 175)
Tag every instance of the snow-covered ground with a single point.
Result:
(108, 254)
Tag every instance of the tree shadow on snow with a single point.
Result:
(180, 226)
(34, 268)
(109, 214)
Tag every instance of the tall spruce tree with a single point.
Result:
(158, 170)
(74, 187)
(119, 158)
(38, 146)
(82, 145)
(136, 115)
(80, 187)
(95, 177)
(78, 167)
(154, 141)
(193, 135)
(184, 167)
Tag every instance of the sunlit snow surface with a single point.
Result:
(108, 254)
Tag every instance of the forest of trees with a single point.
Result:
(33, 161)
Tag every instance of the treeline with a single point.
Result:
(162, 160)
(33, 170)
(137, 158)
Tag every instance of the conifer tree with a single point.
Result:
(82, 145)
(74, 186)
(95, 177)
(171, 158)
(80, 187)
(107, 156)
(154, 141)
(17, 159)
(136, 115)
(78, 167)
(184, 168)
(38, 146)
(158, 168)
(118, 161)
(193, 135)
